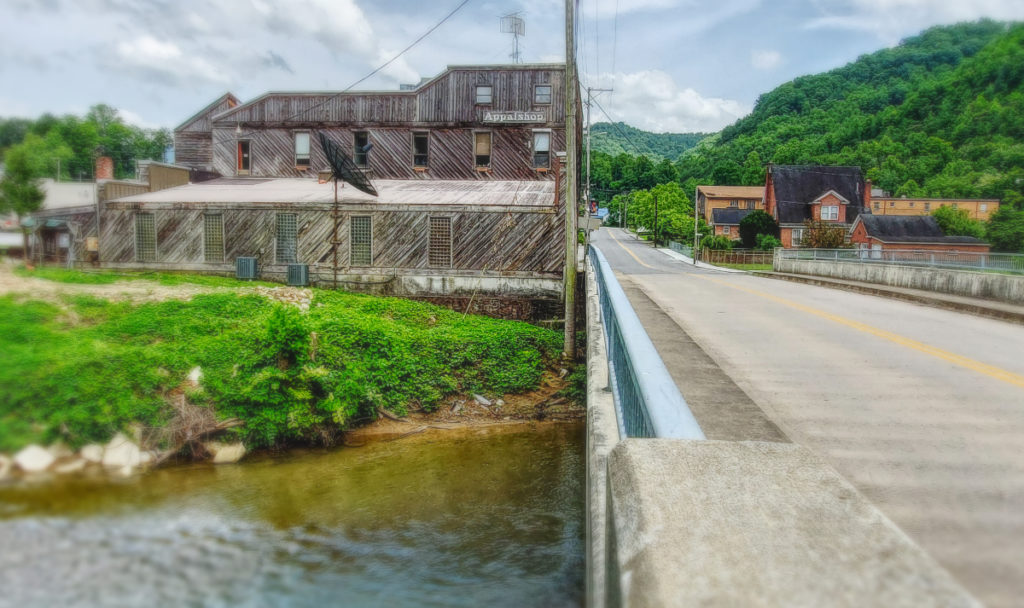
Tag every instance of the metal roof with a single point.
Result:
(729, 217)
(796, 186)
(909, 229)
(391, 192)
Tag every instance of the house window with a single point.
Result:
(145, 238)
(361, 241)
(302, 150)
(440, 251)
(796, 236)
(482, 149)
(542, 93)
(877, 206)
(751, 204)
(830, 212)
(725, 229)
(484, 94)
(927, 206)
(983, 207)
(420, 145)
(541, 149)
(244, 159)
(734, 204)
(954, 205)
(361, 148)
(213, 237)
(287, 237)
(892, 203)
(911, 205)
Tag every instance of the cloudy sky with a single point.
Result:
(675, 65)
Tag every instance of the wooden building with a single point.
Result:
(470, 210)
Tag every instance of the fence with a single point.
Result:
(680, 248)
(962, 260)
(737, 256)
(647, 402)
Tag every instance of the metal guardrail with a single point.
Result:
(960, 260)
(680, 248)
(647, 402)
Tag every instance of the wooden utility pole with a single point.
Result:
(571, 182)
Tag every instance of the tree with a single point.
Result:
(767, 242)
(957, 222)
(1006, 230)
(19, 191)
(823, 235)
(756, 224)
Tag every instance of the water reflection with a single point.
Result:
(484, 517)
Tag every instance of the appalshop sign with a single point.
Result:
(514, 117)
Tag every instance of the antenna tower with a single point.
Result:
(514, 24)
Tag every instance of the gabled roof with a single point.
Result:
(729, 217)
(209, 108)
(797, 186)
(732, 191)
(842, 199)
(909, 229)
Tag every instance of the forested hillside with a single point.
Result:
(941, 114)
(621, 138)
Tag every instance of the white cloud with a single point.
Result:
(652, 100)
(146, 55)
(136, 119)
(893, 19)
(765, 60)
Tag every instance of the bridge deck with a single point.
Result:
(920, 408)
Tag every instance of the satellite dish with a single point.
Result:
(343, 168)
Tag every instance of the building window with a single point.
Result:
(796, 236)
(927, 206)
(954, 205)
(484, 94)
(361, 148)
(145, 238)
(482, 149)
(420, 145)
(541, 149)
(877, 206)
(542, 93)
(213, 237)
(440, 252)
(302, 150)
(830, 212)
(725, 229)
(734, 204)
(361, 241)
(911, 205)
(287, 238)
(751, 204)
(244, 159)
(892, 203)
(983, 207)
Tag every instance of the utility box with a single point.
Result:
(298, 275)
(245, 268)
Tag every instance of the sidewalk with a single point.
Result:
(976, 306)
(688, 260)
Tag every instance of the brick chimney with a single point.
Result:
(867, 193)
(104, 168)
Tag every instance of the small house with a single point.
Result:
(879, 233)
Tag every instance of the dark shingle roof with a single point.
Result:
(910, 229)
(729, 216)
(797, 185)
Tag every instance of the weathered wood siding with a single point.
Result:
(484, 242)
(108, 191)
(193, 142)
(450, 153)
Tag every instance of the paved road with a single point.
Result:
(920, 408)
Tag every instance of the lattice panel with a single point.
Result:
(361, 232)
(440, 252)
(287, 237)
(213, 237)
(145, 238)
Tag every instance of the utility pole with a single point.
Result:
(696, 221)
(590, 92)
(571, 177)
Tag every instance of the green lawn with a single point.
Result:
(746, 266)
(105, 277)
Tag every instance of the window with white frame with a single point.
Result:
(830, 212)
(927, 206)
(213, 237)
(726, 229)
(361, 240)
(302, 149)
(484, 94)
(541, 149)
(482, 149)
(734, 204)
(796, 237)
(542, 94)
(983, 207)
(287, 238)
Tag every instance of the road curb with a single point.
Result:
(935, 302)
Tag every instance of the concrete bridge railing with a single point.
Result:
(681, 522)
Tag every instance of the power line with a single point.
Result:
(617, 127)
(375, 71)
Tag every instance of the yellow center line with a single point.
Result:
(965, 362)
(639, 261)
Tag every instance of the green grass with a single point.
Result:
(85, 369)
(745, 266)
(106, 277)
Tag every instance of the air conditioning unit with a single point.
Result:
(245, 268)
(298, 275)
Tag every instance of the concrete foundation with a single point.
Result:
(990, 285)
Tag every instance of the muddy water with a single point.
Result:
(490, 517)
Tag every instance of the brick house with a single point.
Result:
(726, 222)
(795, 194)
(710, 198)
(909, 233)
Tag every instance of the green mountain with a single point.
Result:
(620, 138)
